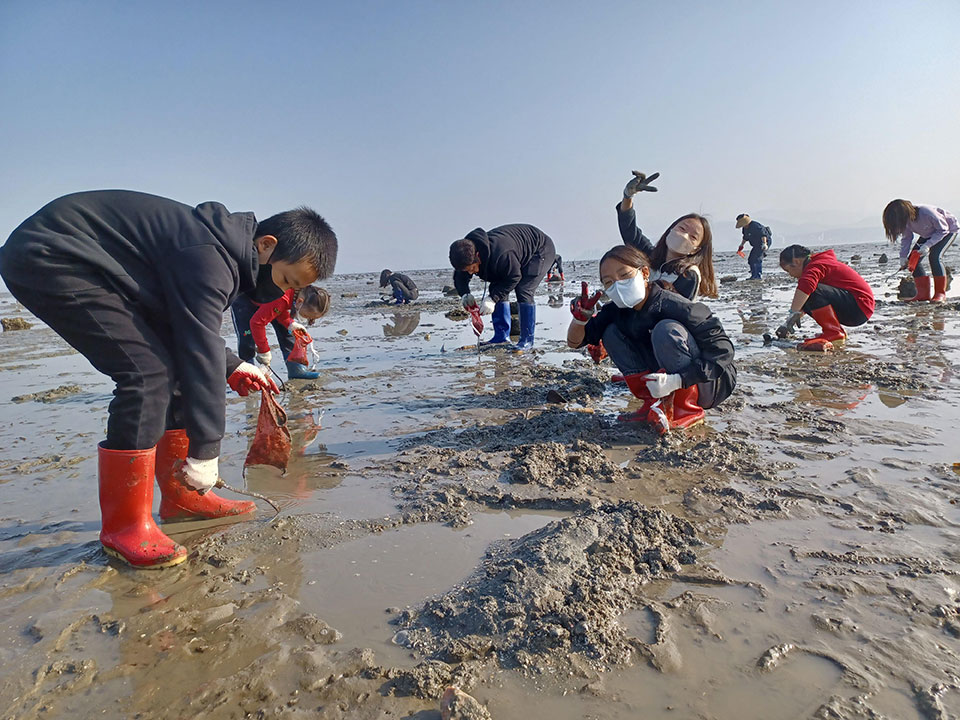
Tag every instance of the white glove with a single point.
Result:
(903, 263)
(468, 300)
(201, 475)
(264, 358)
(662, 384)
(486, 308)
(294, 326)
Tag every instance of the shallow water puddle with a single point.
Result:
(351, 585)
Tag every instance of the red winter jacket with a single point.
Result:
(278, 310)
(823, 267)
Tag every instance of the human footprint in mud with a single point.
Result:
(309, 304)
(829, 291)
(511, 258)
(673, 353)
(937, 230)
(138, 284)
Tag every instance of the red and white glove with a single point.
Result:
(201, 475)
(583, 308)
(662, 384)
(247, 378)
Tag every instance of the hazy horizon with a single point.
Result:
(409, 124)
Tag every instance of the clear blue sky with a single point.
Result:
(409, 123)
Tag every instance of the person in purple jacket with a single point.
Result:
(936, 229)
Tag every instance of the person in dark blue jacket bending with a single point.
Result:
(138, 284)
(759, 237)
(510, 258)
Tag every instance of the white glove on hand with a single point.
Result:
(294, 326)
(903, 263)
(201, 475)
(486, 308)
(468, 300)
(264, 358)
(662, 384)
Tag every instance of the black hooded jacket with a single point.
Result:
(182, 266)
(507, 253)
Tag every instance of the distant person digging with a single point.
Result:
(829, 291)
(760, 239)
(512, 258)
(404, 289)
(937, 230)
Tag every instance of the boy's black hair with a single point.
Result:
(463, 253)
(385, 278)
(302, 234)
(792, 252)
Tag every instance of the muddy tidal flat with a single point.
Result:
(482, 520)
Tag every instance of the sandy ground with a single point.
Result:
(796, 556)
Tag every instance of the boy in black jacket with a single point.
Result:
(138, 284)
(509, 257)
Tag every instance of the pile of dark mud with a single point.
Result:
(556, 591)
(553, 465)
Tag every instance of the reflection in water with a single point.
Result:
(755, 320)
(403, 324)
(555, 300)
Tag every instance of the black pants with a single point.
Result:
(843, 302)
(534, 271)
(120, 340)
(242, 311)
(404, 291)
(934, 256)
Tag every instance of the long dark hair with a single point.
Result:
(702, 258)
(896, 215)
(628, 255)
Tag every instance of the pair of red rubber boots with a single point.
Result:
(679, 409)
(126, 477)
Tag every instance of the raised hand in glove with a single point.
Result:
(640, 183)
(792, 321)
(661, 384)
(247, 378)
(264, 358)
(201, 475)
(583, 308)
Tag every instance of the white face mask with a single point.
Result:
(680, 242)
(629, 292)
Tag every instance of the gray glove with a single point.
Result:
(792, 321)
(640, 183)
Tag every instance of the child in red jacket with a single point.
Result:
(832, 293)
(309, 303)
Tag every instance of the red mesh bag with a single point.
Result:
(271, 444)
(299, 353)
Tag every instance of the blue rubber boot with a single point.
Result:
(528, 321)
(296, 371)
(501, 324)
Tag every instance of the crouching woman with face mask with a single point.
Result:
(673, 353)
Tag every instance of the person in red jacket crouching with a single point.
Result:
(829, 291)
(309, 304)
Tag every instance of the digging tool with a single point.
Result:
(249, 493)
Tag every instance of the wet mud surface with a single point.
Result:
(481, 520)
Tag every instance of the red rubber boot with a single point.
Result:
(939, 289)
(179, 502)
(637, 382)
(686, 407)
(923, 289)
(128, 532)
(831, 331)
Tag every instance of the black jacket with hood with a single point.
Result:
(180, 266)
(507, 254)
